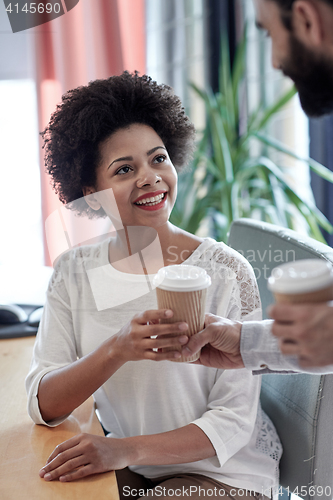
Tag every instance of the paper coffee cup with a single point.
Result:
(302, 281)
(183, 289)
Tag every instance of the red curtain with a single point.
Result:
(95, 39)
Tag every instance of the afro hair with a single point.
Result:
(90, 114)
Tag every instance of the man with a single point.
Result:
(302, 47)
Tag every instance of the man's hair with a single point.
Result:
(88, 115)
(286, 6)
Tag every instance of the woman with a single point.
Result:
(169, 425)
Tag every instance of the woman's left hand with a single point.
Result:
(83, 455)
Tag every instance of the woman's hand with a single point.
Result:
(86, 454)
(135, 342)
(64, 389)
(83, 455)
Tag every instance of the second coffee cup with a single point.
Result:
(183, 289)
(302, 281)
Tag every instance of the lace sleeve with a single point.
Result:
(232, 275)
(245, 299)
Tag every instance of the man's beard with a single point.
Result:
(313, 77)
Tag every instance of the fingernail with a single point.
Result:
(183, 326)
(177, 355)
(186, 351)
(168, 313)
(42, 473)
(47, 477)
(183, 339)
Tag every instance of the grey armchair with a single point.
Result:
(300, 405)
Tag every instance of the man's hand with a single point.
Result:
(219, 343)
(305, 331)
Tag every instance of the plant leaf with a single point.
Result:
(317, 167)
(275, 108)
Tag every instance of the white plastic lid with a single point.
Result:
(182, 278)
(301, 276)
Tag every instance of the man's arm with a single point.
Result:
(260, 349)
(230, 344)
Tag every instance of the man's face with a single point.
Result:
(311, 70)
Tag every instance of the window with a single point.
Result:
(20, 202)
(176, 49)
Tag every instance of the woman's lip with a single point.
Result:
(149, 195)
(158, 206)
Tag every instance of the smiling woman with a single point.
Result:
(120, 143)
(133, 100)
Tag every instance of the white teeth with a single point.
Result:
(154, 200)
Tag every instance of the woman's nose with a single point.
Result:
(148, 178)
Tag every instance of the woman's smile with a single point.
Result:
(152, 201)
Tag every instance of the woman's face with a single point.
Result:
(137, 171)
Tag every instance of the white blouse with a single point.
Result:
(88, 301)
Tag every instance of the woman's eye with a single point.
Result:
(123, 170)
(159, 158)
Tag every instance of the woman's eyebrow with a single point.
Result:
(123, 158)
(151, 151)
(130, 158)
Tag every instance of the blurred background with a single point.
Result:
(192, 46)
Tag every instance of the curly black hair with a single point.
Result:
(88, 115)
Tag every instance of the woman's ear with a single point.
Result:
(89, 196)
(307, 23)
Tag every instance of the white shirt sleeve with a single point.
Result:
(260, 351)
(231, 415)
(233, 401)
(55, 344)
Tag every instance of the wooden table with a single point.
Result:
(25, 447)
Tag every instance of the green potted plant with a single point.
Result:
(226, 181)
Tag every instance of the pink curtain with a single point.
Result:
(95, 39)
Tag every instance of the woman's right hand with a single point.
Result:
(64, 389)
(134, 341)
